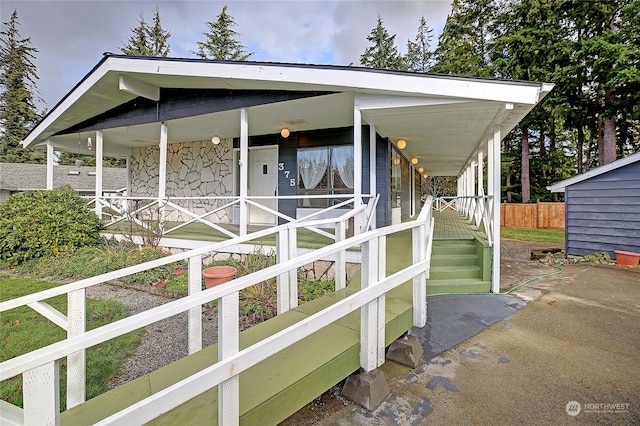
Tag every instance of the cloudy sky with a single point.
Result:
(71, 35)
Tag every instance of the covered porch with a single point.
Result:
(216, 148)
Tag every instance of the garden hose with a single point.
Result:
(558, 266)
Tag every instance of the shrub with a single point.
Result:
(43, 223)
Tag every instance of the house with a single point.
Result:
(20, 177)
(236, 144)
(602, 208)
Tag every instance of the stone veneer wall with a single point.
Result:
(194, 169)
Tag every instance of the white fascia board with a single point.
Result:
(71, 98)
(371, 102)
(560, 186)
(339, 79)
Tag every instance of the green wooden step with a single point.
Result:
(455, 272)
(454, 249)
(458, 286)
(438, 260)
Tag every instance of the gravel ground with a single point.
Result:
(164, 342)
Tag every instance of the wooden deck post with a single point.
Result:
(244, 170)
(287, 283)
(50, 161)
(228, 344)
(76, 362)
(372, 322)
(195, 314)
(494, 174)
(340, 265)
(41, 395)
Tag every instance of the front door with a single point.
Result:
(263, 181)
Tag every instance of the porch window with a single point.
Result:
(325, 171)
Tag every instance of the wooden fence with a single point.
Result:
(538, 215)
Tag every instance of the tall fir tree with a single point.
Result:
(419, 57)
(383, 53)
(464, 45)
(18, 76)
(221, 41)
(146, 40)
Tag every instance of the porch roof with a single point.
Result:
(444, 119)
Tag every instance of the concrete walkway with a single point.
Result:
(569, 356)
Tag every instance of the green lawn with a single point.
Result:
(23, 330)
(532, 234)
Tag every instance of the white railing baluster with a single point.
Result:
(228, 345)
(340, 266)
(76, 362)
(284, 279)
(195, 314)
(41, 395)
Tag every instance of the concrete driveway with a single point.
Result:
(570, 356)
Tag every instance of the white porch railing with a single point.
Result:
(40, 368)
(135, 209)
(478, 210)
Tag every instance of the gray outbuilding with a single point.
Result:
(603, 208)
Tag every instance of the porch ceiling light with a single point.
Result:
(426, 175)
(414, 160)
(215, 140)
(285, 133)
(402, 144)
(420, 169)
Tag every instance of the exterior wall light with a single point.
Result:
(285, 133)
(402, 144)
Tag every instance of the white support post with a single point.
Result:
(357, 163)
(472, 193)
(341, 257)
(228, 344)
(50, 160)
(244, 170)
(372, 321)
(76, 362)
(495, 154)
(125, 203)
(419, 242)
(99, 158)
(287, 283)
(195, 314)
(41, 395)
(480, 191)
(162, 170)
(373, 183)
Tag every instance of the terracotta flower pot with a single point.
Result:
(627, 258)
(217, 275)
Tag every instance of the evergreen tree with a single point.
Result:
(383, 54)
(419, 56)
(221, 41)
(464, 45)
(18, 76)
(148, 41)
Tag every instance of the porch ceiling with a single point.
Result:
(444, 120)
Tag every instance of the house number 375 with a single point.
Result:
(292, 181)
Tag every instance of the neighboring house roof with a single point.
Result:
(560, 186)
(444, 119)
(17, 177)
